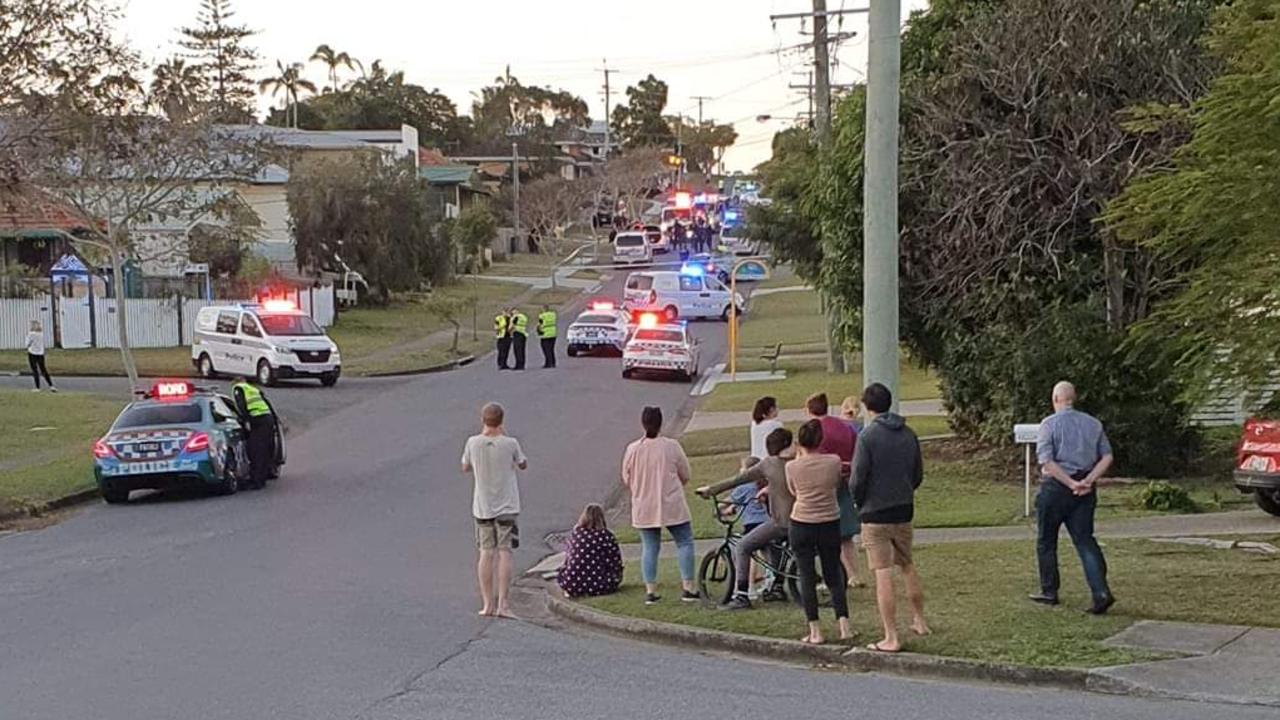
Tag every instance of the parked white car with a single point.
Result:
(690, 293)
(631, 248)
(268, 342)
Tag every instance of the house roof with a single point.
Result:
(370, 136)
(446, 174)
(28, 211)
(295, 138)
(428, 157)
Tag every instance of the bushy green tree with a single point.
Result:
(473, 231)
(640, 122)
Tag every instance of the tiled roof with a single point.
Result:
(27, 210)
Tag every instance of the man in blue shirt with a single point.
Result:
(1074, 452)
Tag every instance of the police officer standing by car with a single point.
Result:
(253, 405)
(502, 328)
(547, 336)
(519, 335)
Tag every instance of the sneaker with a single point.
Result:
(1100, 607)
(774, 594)
(652, 598)
(53, 389)
(35, 389)
(686, 596)
(737, 602)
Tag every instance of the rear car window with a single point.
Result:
(690, 284)
(629, 240)
(166, 414)
(640, 282)
(673, 336)
(598, 319)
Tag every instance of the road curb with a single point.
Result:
(442, 367)
(66, 501)
(857, 660)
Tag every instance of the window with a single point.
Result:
(166, 414)
(282, 325)
(629, 241)
(249, 326)
(597, 319)
(715, 284)
(221, 411)
(671, 336)
(690, 284)
(227, 321)
(640, 282)
(206, 320)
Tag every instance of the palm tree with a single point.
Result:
(289, 80)
(176, 88)
(334, 60)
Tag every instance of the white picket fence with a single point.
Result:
(152, 323)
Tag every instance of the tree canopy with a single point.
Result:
(640, 123)
(217, 46)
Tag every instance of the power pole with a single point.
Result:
(515, 195)
(700, 98)
(880, 199)
(607, 99)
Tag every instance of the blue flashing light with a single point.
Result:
(692, 270)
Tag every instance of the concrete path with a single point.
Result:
(773, 290)
(732, 419)
(543, 282)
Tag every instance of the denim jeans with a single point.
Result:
(1057, 506)
(651, 542)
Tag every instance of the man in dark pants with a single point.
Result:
(547, 336)
(519, 336)
(262, 431)
(1074, 452)
(502, 328)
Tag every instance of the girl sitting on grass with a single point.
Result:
(592, 559)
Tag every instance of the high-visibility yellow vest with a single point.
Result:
(547, 324)
(253, 400)
(500, 325)
(520, 323)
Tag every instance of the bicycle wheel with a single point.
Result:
(716, 575)
(791, 573)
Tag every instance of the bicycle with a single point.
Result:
(717, 574)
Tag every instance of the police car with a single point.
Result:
(601, 327)
(268, 341)
(661, 347)
(176, 435)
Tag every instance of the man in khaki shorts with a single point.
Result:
(493, 458)
(887, 469)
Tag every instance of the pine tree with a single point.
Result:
(225, 62)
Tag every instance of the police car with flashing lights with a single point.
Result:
(176, 435)
(267, 341)
(601, 327)
(662, 348)
(689, 293)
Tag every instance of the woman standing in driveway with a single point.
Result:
(35, 356)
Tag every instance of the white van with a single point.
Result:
(632, 247)
(267, 342)
(685, 294)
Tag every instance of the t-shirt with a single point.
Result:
(760, 431)
(35, 343)
(494, 460)
(838, 438)
(752, 512)
(813, 480)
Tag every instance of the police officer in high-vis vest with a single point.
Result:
(502, 327)
(262, 431)
(547, 335)
(519, 335)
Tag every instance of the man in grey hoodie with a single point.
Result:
(887, 469)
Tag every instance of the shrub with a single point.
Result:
(1162, 496)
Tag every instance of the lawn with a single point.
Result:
(45, 443)
(530, 265)
(174, 361)
(804, 379)
(791, 318)
(976, 601)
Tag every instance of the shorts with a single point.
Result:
(887, 545)
(500, 533)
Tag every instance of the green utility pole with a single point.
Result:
(880, 200)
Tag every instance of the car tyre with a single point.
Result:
(206, 367)
(626, 374)
(572, 351)
(1268, 500)
(329, 379)
(670, 313)
(114, 496)
(230, 481)
(266, 376)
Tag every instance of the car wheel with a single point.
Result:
(230, 482)
(1268, 500)
(572, 351)
(626, 374)
(670, 313)
(329, 379)
(266, 376)
(114, 496)
(206, 367)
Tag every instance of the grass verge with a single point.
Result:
(976, 601)
(45, 443)
(174, 361)
(804, 378)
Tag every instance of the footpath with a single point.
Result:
(1229, 664)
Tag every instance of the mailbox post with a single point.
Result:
(1026, 434)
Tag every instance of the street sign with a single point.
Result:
(1026, 434)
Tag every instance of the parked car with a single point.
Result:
(690, 293)
(1257, 468)
(268, 341)
(631, 248)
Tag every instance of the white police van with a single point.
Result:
(689, 293)
(270, 341)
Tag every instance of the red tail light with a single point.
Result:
(101, 450)
(197, 442)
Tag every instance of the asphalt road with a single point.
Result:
(346, 589)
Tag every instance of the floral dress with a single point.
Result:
(592, 563)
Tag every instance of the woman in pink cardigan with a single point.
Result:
(656, 470)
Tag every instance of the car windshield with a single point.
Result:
(290, 325)
(671, 336)
(630, 240)
(185, 413)
(596, 319)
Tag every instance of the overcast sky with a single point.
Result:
(726, 49)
